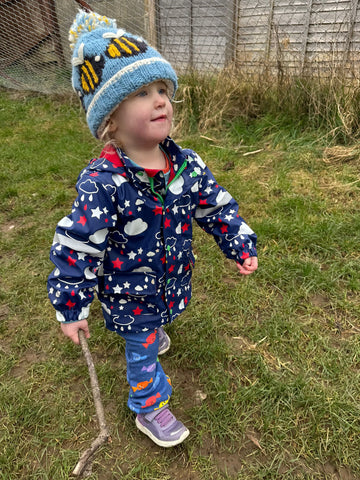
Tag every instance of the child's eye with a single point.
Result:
(142, 93)
(162, 91)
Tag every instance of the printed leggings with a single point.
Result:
(150, 387)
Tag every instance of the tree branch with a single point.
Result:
(104, 435)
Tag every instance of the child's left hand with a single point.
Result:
(249, 266)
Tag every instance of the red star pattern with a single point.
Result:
(117, 263)
(157, 210)
(71, 261)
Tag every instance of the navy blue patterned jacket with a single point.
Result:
(129, 238)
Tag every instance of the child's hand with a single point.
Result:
(249, 266)
(71, 330)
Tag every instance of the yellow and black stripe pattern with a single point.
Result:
(92, 68)
(91, 73)
(125, 47)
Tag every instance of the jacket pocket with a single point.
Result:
(137, 284)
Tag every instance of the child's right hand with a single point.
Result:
(71, 330)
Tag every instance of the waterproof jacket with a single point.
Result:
(129, 238)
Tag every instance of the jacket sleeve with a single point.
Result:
(78, 248)
(217, 214)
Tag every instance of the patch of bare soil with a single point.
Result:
(4, 311)
(335, 473)
(319, 300)
(27, 360)
(231, 463)
(4, 344)
(8, 227)
(251, 451)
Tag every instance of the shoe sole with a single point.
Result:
(166, 349)
(161, 443)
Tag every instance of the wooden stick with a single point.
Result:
(253, 153)
(104, 435)
(84, 5)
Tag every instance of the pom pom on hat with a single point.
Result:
(108, 64)
(86, 22)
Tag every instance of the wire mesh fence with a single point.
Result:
(296, 36)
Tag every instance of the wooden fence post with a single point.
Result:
(232, 42)
(352, 18)
(269, 29)
(151, 23)
(191, 35)
(306, 34)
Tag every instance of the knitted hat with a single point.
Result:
(108, 64)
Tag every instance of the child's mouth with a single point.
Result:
(159, 118)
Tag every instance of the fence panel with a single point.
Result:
(294, 36)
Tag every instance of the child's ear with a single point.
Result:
(111, 126)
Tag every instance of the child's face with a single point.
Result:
(144, 119)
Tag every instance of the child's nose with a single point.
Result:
(159, 99)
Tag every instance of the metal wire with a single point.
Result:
(295, 36)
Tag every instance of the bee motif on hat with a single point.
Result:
(125, 47)
(91, 73)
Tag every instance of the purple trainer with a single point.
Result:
(162, 427)
(164, 341)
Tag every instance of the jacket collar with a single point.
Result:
(114, 160)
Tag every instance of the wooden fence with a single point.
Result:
(291, 35)
(257, 33)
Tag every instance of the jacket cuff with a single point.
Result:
(251, 253)
(84, 313)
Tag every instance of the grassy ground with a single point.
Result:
(266, 369)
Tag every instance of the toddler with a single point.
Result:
(128, 237)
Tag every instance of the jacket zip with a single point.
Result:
(161, 198)
(158, 195)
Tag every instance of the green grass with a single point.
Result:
(277, 354)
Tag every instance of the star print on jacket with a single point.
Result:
(132, 245)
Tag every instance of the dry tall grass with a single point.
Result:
(208, 102)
